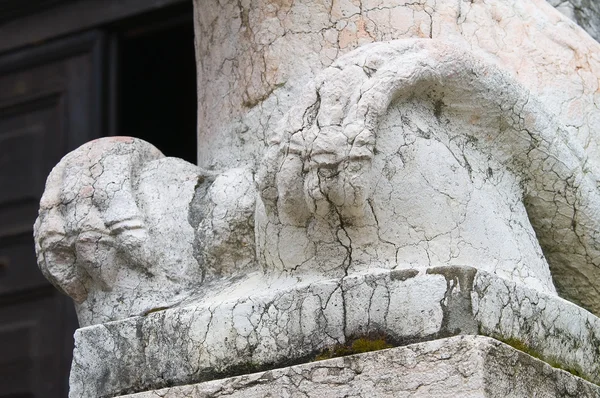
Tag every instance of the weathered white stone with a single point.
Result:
(125, 231)
(275, 327)
(518, 37)
(408, 154)
(255, 56)
(414, 188)
(401, 157)
(415, 153)
(429, 157)
(465, 366)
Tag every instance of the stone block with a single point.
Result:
(464, 366)
(275, 328)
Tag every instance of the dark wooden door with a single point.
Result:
(50, 103)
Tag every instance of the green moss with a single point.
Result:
(248, 367)
(521, 346)
(356, 345)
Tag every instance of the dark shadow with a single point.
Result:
(156, 84)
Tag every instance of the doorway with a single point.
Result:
(153, 74)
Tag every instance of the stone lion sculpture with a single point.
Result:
(124, 230)
(407, 154)
(415, 153)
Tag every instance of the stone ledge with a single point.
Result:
(279, 328)
(464, 366)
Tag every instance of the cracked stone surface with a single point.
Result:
(269, 328)
(465, 366)
(255, 56)
(401, 155)
(415, 153)
(124, 230)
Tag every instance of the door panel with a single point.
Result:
(50, 103)
(29, 334)
(29, 135)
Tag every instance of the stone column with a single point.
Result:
(255, 56)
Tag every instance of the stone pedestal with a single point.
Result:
(465, 366)
(274, 328)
